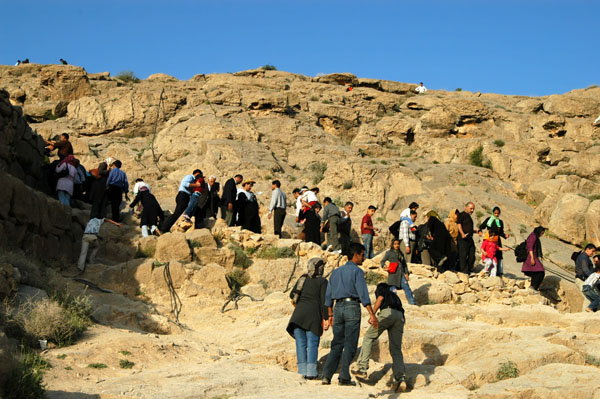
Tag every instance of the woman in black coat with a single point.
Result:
(247, 207)
(98, 190)
(309, 318)
(312, 226)
(151, 210)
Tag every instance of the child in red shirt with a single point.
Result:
(489, 247)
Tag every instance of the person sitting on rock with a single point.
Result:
(247, 206)
(63, 145)
(421, 89)
(90, 238)
(196, 193)
(63, 62)
(25, 61)
(151, 211)
(590, 289)
(398, 274)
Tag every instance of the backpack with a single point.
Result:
(521, 252)
(395, 229)
(575, 255)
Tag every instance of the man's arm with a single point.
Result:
(378, 303)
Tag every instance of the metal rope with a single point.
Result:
(174, 299)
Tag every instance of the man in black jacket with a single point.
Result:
(213, 197)
(229, 199)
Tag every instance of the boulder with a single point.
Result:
(202, 238)
(567, 220)
(211, 280)
(172, 246)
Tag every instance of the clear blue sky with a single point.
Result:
(510, 47)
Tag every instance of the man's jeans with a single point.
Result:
(346, 328)
(368, 243)
(407, 291)
(591, 294)
(307, 351)
(189, 211)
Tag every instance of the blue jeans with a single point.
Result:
(368, 243)
(407, 291)
(64, 197)
(593, 296)
(346, 328)
(189, 211)
(307, 350)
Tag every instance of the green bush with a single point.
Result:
(476, 157)
(269, 67)
(241, 259)
(276, 252)
(347, 185)
(126, 364)
(128, 76)
(26, 380)
(97, 366)
(507, 370)
(458, 89)
(61, 319)
(237, 278)
(499, 143)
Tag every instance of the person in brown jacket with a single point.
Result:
(452, 228)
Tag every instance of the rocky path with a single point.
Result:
(451, 351)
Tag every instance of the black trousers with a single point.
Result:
(114, 195)
(466, 254)
(181, 202)
(278, 218)
(536, 279)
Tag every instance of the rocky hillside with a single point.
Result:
(377, 144)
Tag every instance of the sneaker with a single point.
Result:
(400, 386)
(359, 373)
(326, 381)
(187, 218)
(348, 383)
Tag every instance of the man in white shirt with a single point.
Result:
(421, 89)
(277, 207)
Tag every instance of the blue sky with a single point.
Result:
(509, 47)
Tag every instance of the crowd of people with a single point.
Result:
(319, 304)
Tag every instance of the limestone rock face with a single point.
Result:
(201, 238)
(568, 218)
(172, 246)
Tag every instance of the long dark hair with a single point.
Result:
(538, 231)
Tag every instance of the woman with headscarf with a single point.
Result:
(394, 263)
(439, 247)
(489, 223)
(151, 210)
(312, 226)
(532, 266)
(65, 171)
(98, 189)
(452, 227)
(310, 317)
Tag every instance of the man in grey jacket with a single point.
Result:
(330, 219)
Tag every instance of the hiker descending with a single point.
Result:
(532, 266)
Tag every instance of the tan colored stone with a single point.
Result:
(172, 246)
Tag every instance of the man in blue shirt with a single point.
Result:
(182, 200)
(116, 185)
(348, 289)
